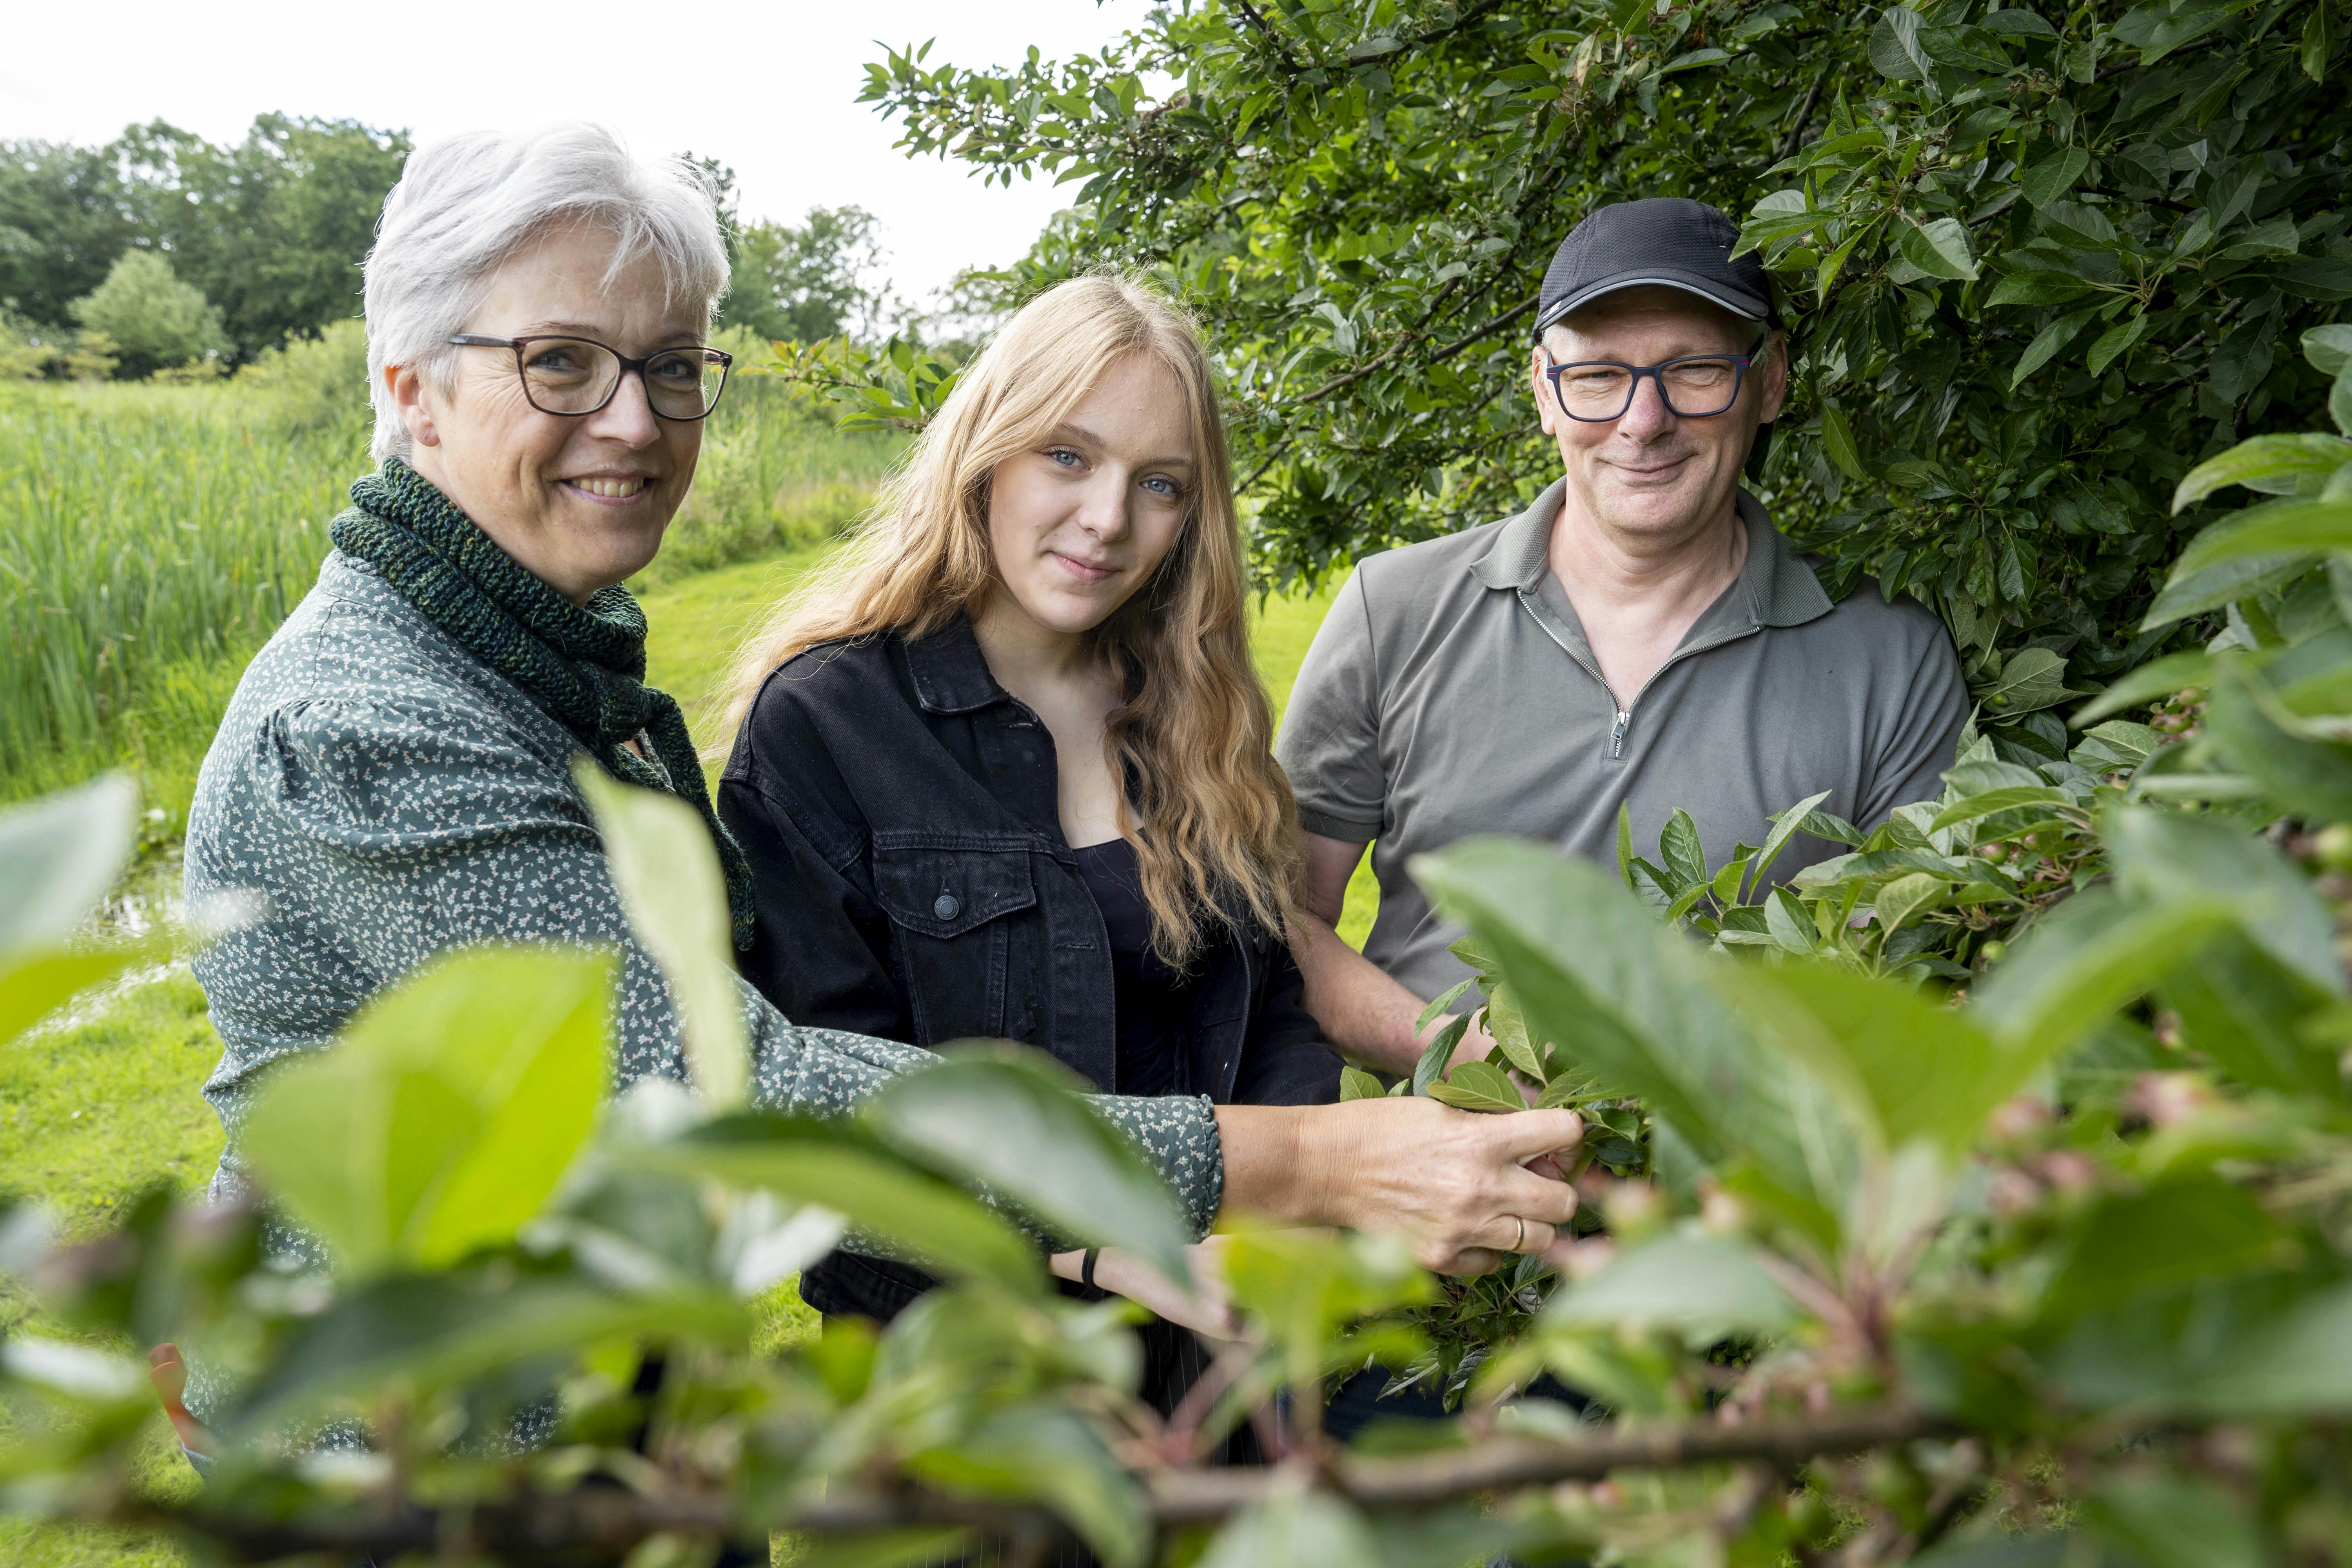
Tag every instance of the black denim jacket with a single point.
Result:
(900, 811)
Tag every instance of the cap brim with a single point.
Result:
(1738, 301)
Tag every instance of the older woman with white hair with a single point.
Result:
(394, 774)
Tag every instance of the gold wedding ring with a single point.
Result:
(1521, 1240)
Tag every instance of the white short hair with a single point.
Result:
(464, 206)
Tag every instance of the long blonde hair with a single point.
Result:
(1209, 809)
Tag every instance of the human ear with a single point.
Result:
(1776, 379)
(1536, 380)
(408, 389)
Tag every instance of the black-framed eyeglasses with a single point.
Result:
(575, 377)
(1595, 391)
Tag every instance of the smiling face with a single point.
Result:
(581, 503)
(1081, 520)
(1652, 474)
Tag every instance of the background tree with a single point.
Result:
(2041, 257)
(62, 224)
(150, 317)
(271, 230)
(824, 276)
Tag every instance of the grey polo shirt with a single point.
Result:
(1450, 692)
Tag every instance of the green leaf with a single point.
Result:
(1437, 1010)
(1906, 1067)
(1051, 1455)
(667, 871)
(2318, 43)
(1698, 1286)
(2055, 175)
(1435, 1055)
(2274, 528)
(2155, 1241)
(1355, 1083)
(1693, 60)
(59, 856)
(37, 982)
(1510, 1029)
(2037, 289)
(1625, 843)
(1293, 1528)
(1837, 439)
(425, 1333)
(2207, 587)
(2032, 678)
(1908, 897)
(1938, 248)
(2089, 956)
(2046, 344)
(2329, 349)
(2310, 777)
(1680, 847)
(911, 1546)
(1008, 1117)
(1976, 806)
(2300, 1364)
(447, 1112)
(2175, 1522)
(2079, 226)
(1894, 47)
(840, 1168)
(2161, 856)
(2158, 679)
(2264, 458)
(1789, 924)
(2116, 341)
(1478, 1086)
(1785, 826)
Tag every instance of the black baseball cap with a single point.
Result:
(1667, 241)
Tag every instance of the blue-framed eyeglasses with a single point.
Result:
(1596, 391)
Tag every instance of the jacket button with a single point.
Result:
(945, 906)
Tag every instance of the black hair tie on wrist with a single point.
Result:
(1087, 1268)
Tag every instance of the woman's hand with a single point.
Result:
(1205, 1309)
(1454, 1182)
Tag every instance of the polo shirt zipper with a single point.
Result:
(1625, 714)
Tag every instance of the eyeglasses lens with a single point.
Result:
(684, 383)
(568, 375)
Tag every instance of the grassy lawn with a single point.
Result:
(102, 1103)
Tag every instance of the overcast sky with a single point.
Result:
(781, 80)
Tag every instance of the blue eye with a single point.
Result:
(1058, 453)
(1167, 486)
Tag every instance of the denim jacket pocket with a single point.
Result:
(954, 944)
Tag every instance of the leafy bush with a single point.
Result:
(318, 384)
(2041, 259)
(152, 317)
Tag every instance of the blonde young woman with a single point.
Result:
(1003, 770)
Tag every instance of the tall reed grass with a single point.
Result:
(152, 537)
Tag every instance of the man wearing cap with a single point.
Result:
(1642, 634)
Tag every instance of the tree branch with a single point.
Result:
(604, 1524)
(1796, 132)
(1264, 29)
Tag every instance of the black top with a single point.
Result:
(900, 812)
(1155, 1002)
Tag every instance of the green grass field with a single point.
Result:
(102, 1102)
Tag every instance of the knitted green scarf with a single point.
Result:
(584, 665)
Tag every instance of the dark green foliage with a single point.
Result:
(2041, 259)
(270, 230)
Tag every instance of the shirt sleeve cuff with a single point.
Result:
(1178, 1135)
(1346, 830)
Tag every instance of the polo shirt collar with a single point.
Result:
(1781, 588)
(949, 673)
